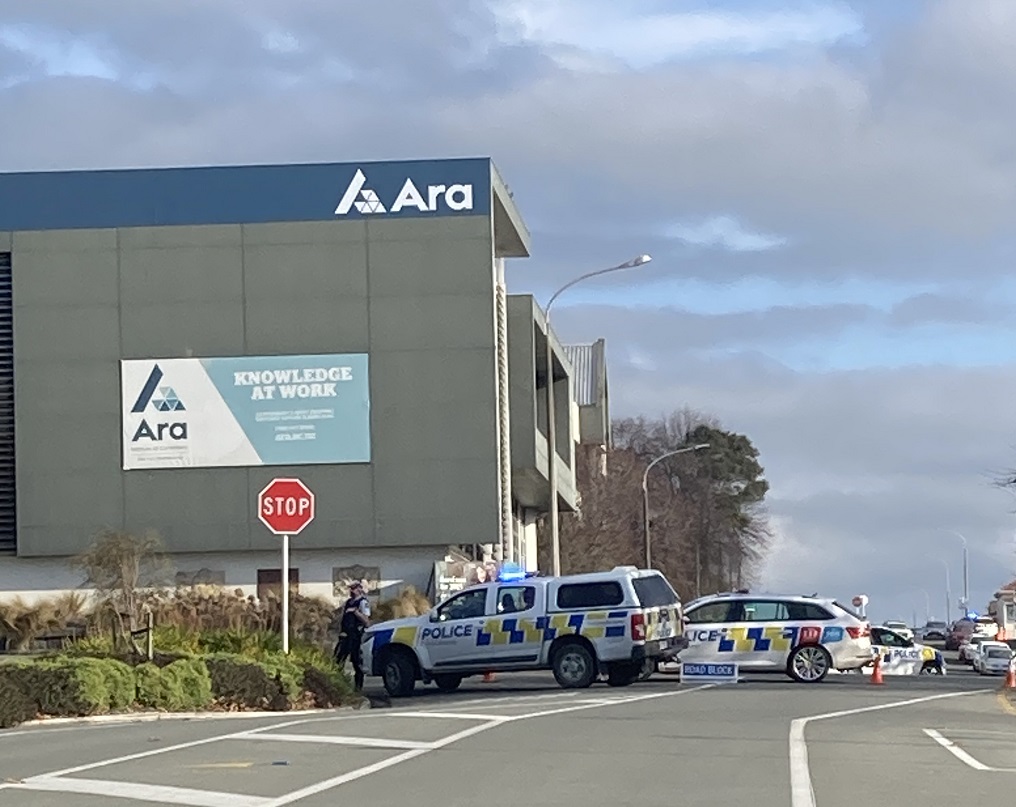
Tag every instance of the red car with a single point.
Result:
(959, 632)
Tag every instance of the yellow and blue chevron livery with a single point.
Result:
(405, 635)
(513, 630)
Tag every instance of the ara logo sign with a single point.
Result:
(428, 200)
(164, 400)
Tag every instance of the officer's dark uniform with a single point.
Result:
(351, 637)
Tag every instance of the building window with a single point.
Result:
(270, 583)
(8, 490)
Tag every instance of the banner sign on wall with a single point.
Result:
(244, 411)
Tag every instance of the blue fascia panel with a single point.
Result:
(248, 194)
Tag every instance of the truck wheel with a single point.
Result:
(622, 674)
(809, 664)
(399, 675)
(447, 682)
(574, 666)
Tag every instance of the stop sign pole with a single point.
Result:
(286, 507)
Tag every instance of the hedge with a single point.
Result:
(182, 686)
(240, 682)
(76, 685)
(15, 706)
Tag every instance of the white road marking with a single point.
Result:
(956, 751)
(802, 793)
(367, 770)
(366, 742)
(55, 780)
(42, 731)
(139, 792)
(444, 715)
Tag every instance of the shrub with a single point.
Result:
(66, 686)
(240, 642)
(327, 687)
(180, 686)
(242, 683)
(15, 705)
(287, 672)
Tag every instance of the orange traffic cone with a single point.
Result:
(488, 678)
(876, 674)
(1010, 678)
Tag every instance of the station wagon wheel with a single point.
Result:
(809, 664)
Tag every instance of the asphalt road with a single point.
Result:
(521, 740)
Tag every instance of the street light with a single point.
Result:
(645, 493)
(966, 575)
(555, 538)
(948, 591)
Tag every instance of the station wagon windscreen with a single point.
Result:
(654, 591)
(589, 595)
(998, 652)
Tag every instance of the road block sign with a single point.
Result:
(709, 673)
(286, 506)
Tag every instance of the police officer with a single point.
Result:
(355, 619)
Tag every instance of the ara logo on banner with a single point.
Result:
(431, 199)
(163, 399)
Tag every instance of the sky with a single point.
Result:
(826, 188)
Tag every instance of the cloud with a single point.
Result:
(649, 36)
(724, 232)
(827, 192)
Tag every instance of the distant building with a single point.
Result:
(172, 339)
(592, 399)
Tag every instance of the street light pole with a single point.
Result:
(966, 574)
(555, 538)
(645, 494)
(948, 591)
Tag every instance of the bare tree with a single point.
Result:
(709, 528)
(119, 566)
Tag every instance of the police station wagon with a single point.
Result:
(578, 626)
(804, 637)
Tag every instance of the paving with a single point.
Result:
(522, 740)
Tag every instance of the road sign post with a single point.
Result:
(286, 507)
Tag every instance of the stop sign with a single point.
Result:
(286, 506)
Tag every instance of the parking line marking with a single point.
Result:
(55, 781)
(956, 751)
(329, 784)
(368, 742)
(138, 792)
(367, 770)
(802, 792)
(447, 715)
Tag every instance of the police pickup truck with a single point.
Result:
(579, 626)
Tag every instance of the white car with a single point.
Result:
(803, 637)
(899, 628)
(993, 658)
(902, 656)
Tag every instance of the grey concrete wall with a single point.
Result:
(529, 410)
(415, 294)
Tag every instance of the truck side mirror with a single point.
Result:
(434, 615)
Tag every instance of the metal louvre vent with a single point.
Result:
(8, 499)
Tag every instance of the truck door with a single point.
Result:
(451, 637)
(511, 637)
